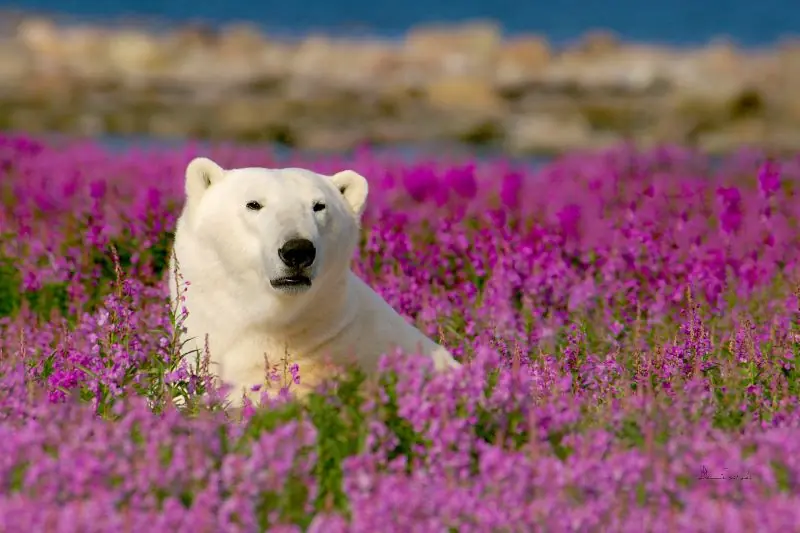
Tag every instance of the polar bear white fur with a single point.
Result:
(266, 254)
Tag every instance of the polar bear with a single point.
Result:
(266, 256)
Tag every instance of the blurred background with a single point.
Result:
(519, 78)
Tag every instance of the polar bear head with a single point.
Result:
(284, 232)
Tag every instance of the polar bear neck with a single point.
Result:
(324, 317)
(348, 323)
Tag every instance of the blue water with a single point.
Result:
(410, 152)
(677, 22)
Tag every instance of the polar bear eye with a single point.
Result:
(253, 206)
(318, 206)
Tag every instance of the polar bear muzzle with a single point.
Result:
(294, 283)
(298, 255)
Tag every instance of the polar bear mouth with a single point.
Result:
(297, 281)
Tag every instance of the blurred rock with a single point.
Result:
(598, 43)
(329, 139)
(633, 70)
(134, 54)
(84, 54)
(40, 36)
(468, 49)
(322, 63)
(520, 61)
(547, 133)
(462, 93)
(15, 65)
(253, 118)
(750, 132)
(240, 40)
(463, 83)
(709, 72)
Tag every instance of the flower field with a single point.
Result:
(629, 323)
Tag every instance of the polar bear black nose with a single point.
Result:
(297, 253)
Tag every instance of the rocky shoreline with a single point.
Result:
(465, 84)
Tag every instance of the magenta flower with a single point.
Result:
(627, 321)
(769, 178)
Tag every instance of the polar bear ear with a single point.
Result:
(201, 173)
(354, 188)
